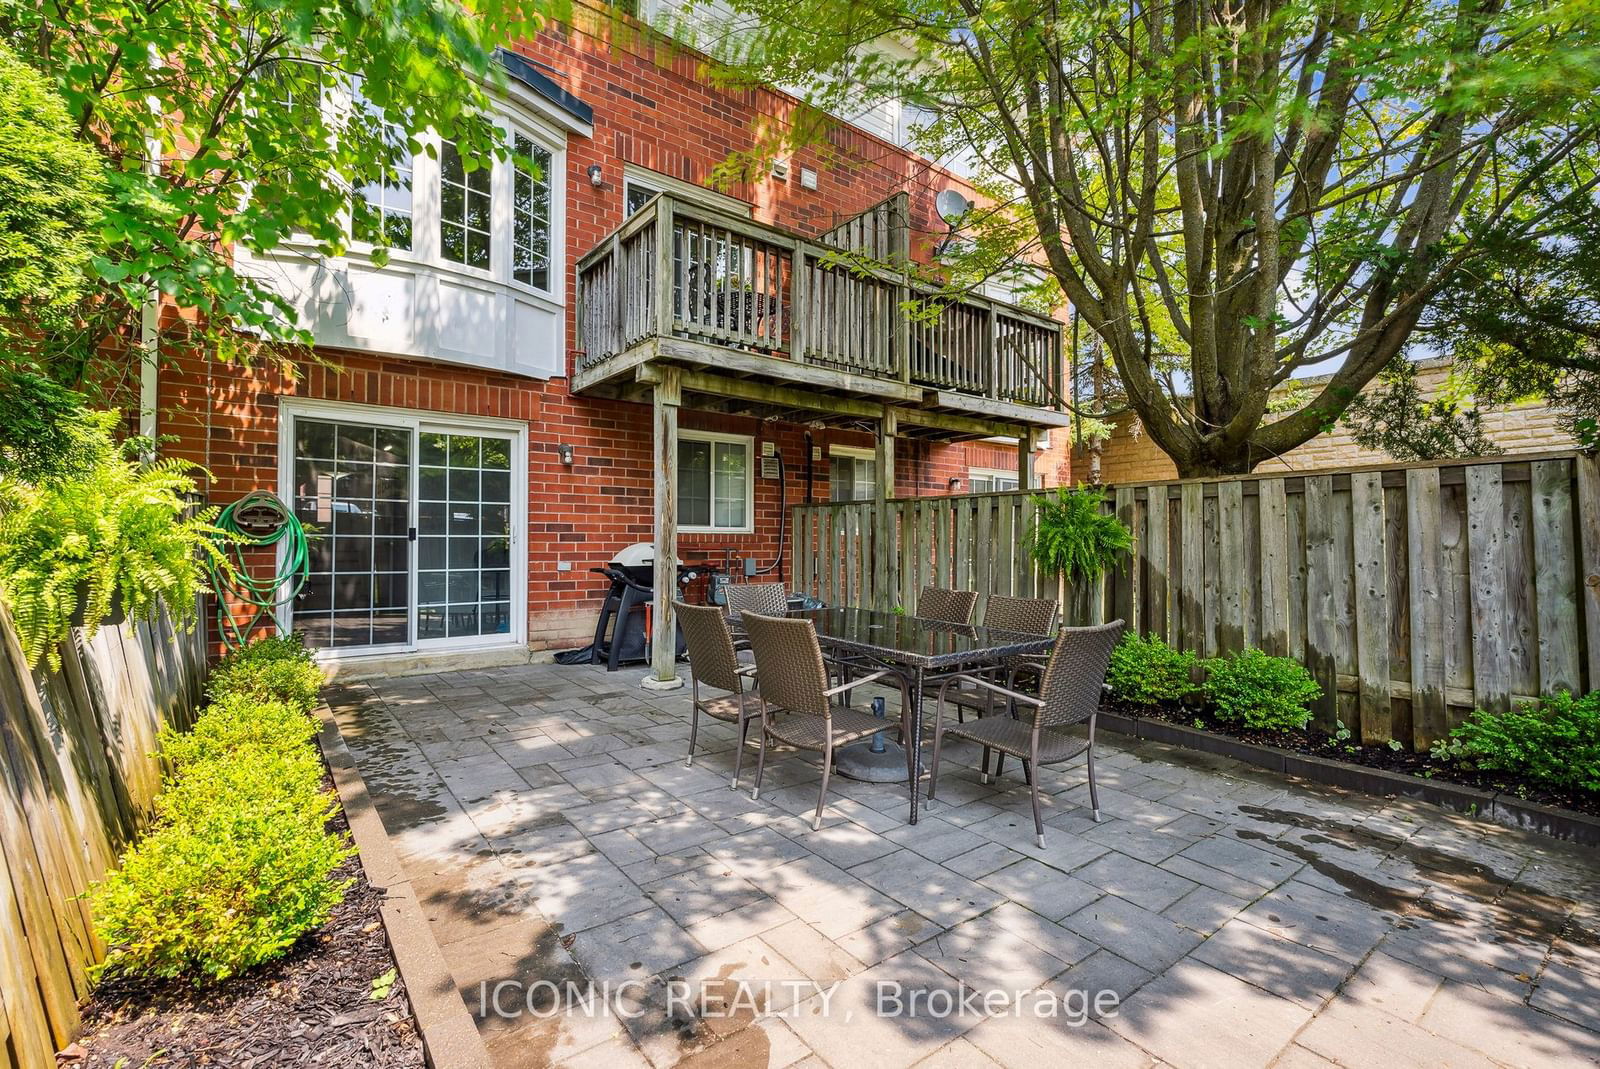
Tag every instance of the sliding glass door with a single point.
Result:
(411, 531)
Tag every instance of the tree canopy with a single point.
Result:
(254, 122)
(50, 184)
(1228, 194)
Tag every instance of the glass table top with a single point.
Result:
(918, 642)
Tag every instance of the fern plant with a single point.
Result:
(115, 531)
(1073, 538)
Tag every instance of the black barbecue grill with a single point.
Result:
(622, 634)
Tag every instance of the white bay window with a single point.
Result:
(474, 271)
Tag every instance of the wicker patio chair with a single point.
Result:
(713, 662)
(1029, 616)
(794, 681)
(768, 599)
(1069, 694)
(947, 606)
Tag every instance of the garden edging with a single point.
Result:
(450, 1038)
(1497, 807)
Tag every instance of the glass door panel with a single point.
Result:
(463, 535)
(352, 490)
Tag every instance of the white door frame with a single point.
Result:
(417, 421)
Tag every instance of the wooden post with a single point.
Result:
(664, 401)
(1025, 459)
(665, 269)
(800, 321)
(883, 548)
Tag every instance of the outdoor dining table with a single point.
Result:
(913, 648)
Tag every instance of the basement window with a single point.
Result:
(715, 483)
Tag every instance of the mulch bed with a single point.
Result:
(1316, 744)
(313, 1007)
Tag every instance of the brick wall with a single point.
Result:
(1130, 456)
(652, 109)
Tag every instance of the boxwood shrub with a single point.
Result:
(1555, 742)
(269, 670)
(239, 863)
(1147, 671)
(1260, 691)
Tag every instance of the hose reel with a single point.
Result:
(258, 520)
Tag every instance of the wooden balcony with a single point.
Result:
(760, 320)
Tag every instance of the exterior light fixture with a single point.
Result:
(564, 451)
(955, 483)
(597, 176)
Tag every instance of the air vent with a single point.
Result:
(780, 169)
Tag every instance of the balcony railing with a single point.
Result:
(681, 270)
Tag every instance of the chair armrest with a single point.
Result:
(973, 677)
(854, 683)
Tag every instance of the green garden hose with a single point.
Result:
(258, 520)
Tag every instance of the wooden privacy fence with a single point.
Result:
(1413, 593)
(77, 776)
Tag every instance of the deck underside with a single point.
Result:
(719, 378)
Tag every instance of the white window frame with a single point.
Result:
(418, 421)
(633, 175)
(511, 117)
(714, 437)
(991, 474)
(854, 452)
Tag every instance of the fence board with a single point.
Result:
(77, 778)
(1157, 546)
(1191, 594)
(1230, 567)
(1491, 662)
(1372, 606)
(1124, 598)
(1274, 567)
(1423, 510)
(1555, 576)
(1321, 622)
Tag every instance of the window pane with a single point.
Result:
(638, 197)
(731, 489)
(530, 211)
(388, 194)
(694, 484)
(465, 209)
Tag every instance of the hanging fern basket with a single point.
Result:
(1073, 538)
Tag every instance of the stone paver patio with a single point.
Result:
(553, 833)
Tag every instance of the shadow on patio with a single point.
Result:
(556, 839)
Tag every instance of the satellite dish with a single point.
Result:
(952, 206)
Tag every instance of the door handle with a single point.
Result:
(411, 534)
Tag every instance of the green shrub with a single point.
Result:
(206, 899)
(1259, 691)
(1147, 671)
(236, 722)
(1555, 742)
(239, 865)
(248, 776)
(269, 670)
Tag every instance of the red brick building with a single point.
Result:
(450, 403)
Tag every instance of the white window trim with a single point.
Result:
(677, 187)
(380, 415)
(855, 452)
(749, 444)
(426, 253)
(996, 473)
